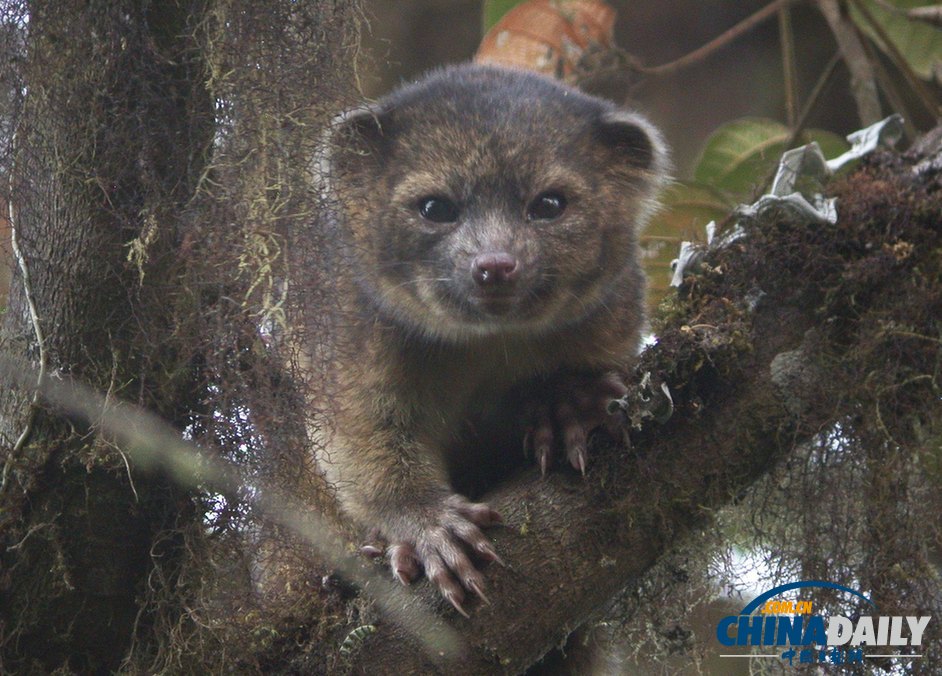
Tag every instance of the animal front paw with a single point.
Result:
(561, 417)
(444, 540)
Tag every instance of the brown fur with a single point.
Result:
(430, 370)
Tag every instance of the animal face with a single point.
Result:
(484, 200)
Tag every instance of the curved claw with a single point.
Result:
(404, 564)
(446, 542)
(476, 588)
(575, 406)
(457, 604)
(579, 462)
(371, 551)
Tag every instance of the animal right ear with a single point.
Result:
(636, 141)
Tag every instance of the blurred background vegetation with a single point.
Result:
(408, 37)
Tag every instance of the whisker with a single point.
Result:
(578, 299)
(416, 280)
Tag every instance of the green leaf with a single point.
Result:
(686, 208)
(831, 144)
(495, 9)
(742, 155)
(920, 43)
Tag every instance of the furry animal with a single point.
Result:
(487, 270)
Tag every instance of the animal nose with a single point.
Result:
(494, 269)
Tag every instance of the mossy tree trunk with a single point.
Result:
(154, 154)
(108, 146)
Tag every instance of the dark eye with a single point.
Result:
(438, 210)
(546, 207)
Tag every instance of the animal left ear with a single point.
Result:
(633, 138)
(353, 144)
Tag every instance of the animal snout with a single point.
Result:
(492, 270)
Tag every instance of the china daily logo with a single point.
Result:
(799, 636)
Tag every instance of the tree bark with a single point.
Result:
(106, 150)
(155, 144)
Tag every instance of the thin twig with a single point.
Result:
(802, 120)
(34, 319)
(814, 97)
(863, 83)
(26, 537)
(789, 69)
(718, 42)
(108, 395)
(890, 89)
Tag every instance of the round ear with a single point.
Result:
(633, 139)
(363, 124)
(353, 138)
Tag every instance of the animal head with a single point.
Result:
(482, 200)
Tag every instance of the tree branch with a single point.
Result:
(719, 41)
(862, 79)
